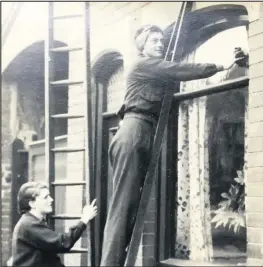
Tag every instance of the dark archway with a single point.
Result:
(27, 72)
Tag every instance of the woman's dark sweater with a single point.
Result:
(35, 244)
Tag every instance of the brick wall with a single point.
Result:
(5, 122)
(149, 236)
(6, 221)
(6, 174)
(254, 170)
(12, 121)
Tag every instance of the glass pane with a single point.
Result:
(115, 90)
(211, 139)
(225, 114)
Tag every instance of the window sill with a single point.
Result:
(178, 262)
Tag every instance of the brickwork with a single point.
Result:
(6, 174)
(6, 221)
(254, 172)
(149, 236)
(5, 120)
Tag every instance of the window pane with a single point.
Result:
(210, 189)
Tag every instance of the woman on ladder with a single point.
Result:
(130, 149)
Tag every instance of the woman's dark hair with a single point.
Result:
(28, 192)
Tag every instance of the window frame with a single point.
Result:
(106, 64)
(167, 179)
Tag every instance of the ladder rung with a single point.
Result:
(61, 183)
(66, 116)
(68, 16)
(65, 49)
(67, 149)
(65, 82)
(66, 216)
(78, 250)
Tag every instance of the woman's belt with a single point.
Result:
(142, 116)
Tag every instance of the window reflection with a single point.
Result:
(210, 189)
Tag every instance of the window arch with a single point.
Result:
(202, 24)
(107, 71)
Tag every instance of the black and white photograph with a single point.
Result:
(132, 133)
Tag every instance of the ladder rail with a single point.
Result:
(89, 167)
(150, 176)
(49, 101)
(97, 171)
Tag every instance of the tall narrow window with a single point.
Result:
(211, 214)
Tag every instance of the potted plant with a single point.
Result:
(231, 210)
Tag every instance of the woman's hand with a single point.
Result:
(89, 212)
(241, 58)
(10, 262)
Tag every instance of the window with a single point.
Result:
(210, 154)
(107, 72)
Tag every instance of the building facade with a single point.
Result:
(214, 143)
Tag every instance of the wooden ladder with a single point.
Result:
(50, 86)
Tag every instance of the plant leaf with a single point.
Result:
(223, 203)
(236, 228)
(225, 195)
(225, 221)
(218, 224)
(231, 223)
(237, 180)
(218, 217)
(240, 175)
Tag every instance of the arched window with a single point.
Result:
(108, 73)
(108, 92)
(211, 132)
